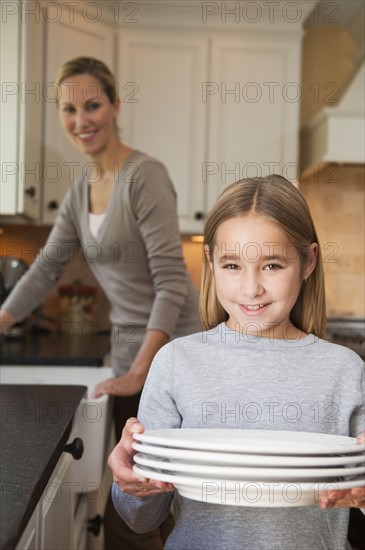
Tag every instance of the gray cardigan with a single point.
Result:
(136, 258)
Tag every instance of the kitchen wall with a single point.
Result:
(335, 193)
(336, 198)
(24, 241)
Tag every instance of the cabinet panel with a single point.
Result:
(160, 75)
(31, 118)
(9, 110)
(57, 507)
(253, 100)
(66, 39)
(21, 112)
(30, 537)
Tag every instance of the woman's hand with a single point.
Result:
(349, 498)
(121, 386)
(7, 320)
(121, 463)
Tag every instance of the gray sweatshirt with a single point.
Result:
(136, 258)
(224, 379)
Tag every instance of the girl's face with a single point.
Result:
(258, 275)
(86, 114)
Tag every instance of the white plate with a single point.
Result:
(246, 474)
(247, 493)
(252, 441)
(236, 459)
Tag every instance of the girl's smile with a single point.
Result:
(258, 275)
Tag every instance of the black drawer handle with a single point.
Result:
(53, 205)
(76, 448)
(94, 525)
(31, 191)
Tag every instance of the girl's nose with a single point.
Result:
(251, 286)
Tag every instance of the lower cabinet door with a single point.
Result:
(80, 523)
(30, 536)
(57, 508)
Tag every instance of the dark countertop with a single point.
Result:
(32, 440)
(42, 348)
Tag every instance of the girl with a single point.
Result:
(128, 208)
(263, 305)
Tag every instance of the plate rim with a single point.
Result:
(247, 471)
(245, 459)
(155, 437)
(196, 481)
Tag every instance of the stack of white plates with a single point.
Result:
(259, 468)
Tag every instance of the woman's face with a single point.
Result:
(86, 114)
(258, 275)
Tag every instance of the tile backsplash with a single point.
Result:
(336, 198)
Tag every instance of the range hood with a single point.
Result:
(337, 134)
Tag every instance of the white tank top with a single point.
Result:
(95, 221)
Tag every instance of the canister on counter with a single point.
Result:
(77, 303)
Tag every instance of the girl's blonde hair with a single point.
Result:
(94, 67)
(279, 201)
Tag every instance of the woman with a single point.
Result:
(126, 212)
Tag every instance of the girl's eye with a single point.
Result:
(272, 267)
(68, 109)
(230, 266)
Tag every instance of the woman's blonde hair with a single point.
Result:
(94, 67)
(279, 201)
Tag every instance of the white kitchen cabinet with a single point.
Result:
(57, 508)
(214, 106)
(160, 74)
(77, 489)
(37, 161)
(211, 89)
(30, 536)
(51, 524)
(254, 100)
(21, 110)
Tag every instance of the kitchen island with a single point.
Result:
(36, 422)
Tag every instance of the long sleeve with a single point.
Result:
(157, 410)
(48, 266)
(153, 201)
(141, 514)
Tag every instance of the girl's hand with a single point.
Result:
(121, 386)
(121, 463)
(349, 498)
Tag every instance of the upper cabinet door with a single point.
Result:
(10, 42)
(69, 37)
(253, 98)
(21, 111)
(160, 75)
